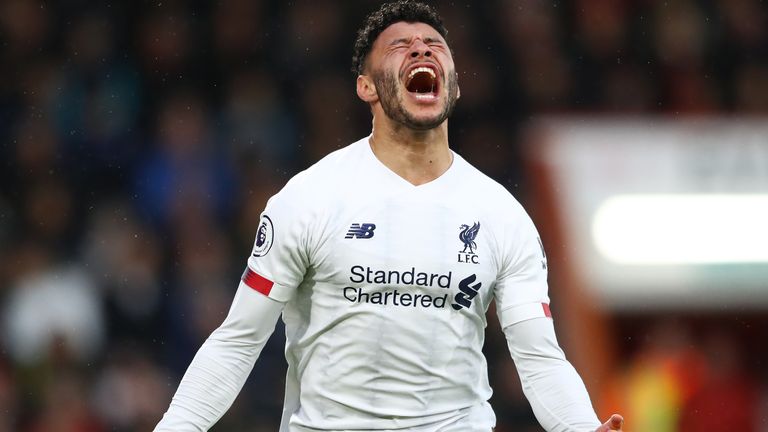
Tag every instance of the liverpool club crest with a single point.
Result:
(467, 237)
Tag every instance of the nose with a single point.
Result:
(420, 49)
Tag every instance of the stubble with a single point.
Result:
(394, 107)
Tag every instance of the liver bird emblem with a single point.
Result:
(467, 236)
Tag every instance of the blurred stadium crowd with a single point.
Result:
(140, 141)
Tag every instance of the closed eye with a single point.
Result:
(433, 42)
(397, 48)
(397, 45)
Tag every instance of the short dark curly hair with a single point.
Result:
(389, 13)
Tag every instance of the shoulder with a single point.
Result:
(324, 177)
(485, 191)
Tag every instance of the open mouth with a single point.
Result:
(422, 81)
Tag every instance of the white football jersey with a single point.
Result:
(386, 286)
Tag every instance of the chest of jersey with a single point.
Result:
(411, 254)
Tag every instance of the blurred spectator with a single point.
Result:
(25, 26)
(311, 37)
(96, 103)
(202, 286)
(36, 151)
(164, 40)
(752, 88)
(530, 30)
(658, 381)
(745, 23)
(327, 128)
(258, 126)
(240, 31)
(627, 89)
(602, 28)
(130, 392)
(8, 398)
(488, 146)
(65, 407)
(52, 307)
(680, 33)
(49, 211)
(186, 175)
(125, 259)
(727, 399)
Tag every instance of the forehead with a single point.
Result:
(406, 30)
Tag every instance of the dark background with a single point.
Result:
(139, 142)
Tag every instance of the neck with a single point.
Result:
(415, 155)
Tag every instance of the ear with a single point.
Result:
(366, 89)
(458, 87)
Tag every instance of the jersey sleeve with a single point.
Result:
(553, 387)
(521, 287)
(279, 258)
(222, 364)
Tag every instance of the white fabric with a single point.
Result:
(221, 366)
(552, 386)
(60, 302)
(384, 325)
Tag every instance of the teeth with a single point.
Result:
(421, 69)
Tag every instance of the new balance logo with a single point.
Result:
(361, 231)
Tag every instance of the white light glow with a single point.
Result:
(682, 229)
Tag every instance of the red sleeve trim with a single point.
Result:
(257, 282)
(547, 312)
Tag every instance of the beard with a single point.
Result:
(394, 107)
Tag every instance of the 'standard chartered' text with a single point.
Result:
(397, 280)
